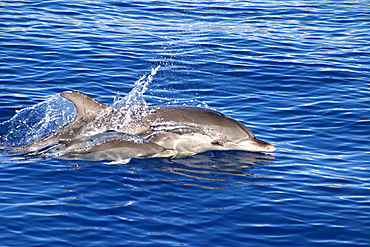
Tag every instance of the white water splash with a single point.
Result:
(34, 122)
(134, 100)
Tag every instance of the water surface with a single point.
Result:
(295, 72)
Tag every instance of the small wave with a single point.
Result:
(34, 122)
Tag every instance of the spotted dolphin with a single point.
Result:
(191, 130)
(185, 129)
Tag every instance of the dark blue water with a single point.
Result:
(295, 72)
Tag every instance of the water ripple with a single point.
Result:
(295, 72)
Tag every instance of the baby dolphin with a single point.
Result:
(107, 146)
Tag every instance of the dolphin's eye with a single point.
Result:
(215, 142)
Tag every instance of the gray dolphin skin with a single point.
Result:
(192, 130)
(184, 130)
(110, 145)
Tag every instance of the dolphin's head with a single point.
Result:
(251, 145)
(255, 145)
(239, 137)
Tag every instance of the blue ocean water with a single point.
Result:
(295, 72)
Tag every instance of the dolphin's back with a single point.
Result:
(216, 123)
(86, 106)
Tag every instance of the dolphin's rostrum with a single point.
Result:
(175, 131)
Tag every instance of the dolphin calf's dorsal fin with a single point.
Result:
(86, 106)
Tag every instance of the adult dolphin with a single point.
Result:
(186, 130)
(192, 130)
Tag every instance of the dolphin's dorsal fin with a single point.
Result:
(86, 106)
